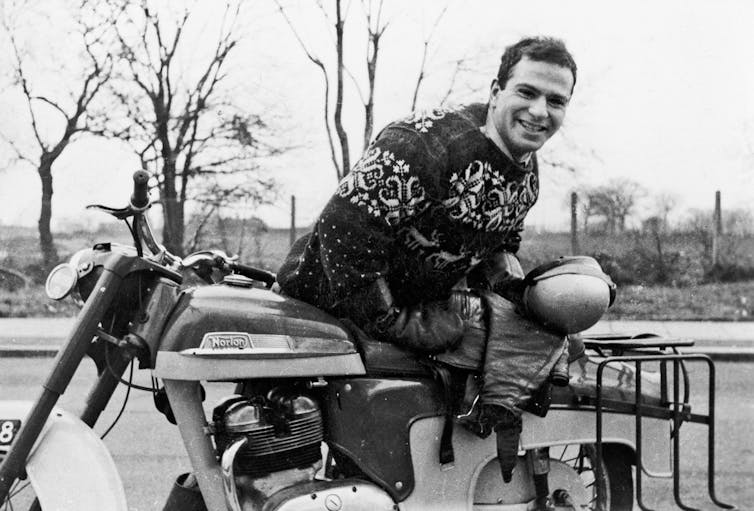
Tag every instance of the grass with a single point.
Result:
(714, 302)
(711, 302)
(32, 302)
(724, 302)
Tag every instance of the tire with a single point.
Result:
(616, 460)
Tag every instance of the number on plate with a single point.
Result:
(8, 430)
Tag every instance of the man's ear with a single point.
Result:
(494, 88)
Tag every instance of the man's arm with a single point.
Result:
(356, 232)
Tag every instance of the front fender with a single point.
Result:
(69, 466)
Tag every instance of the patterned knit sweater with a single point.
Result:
(429, 202)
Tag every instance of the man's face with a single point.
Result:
(532, 106)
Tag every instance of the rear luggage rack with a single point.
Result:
(645, 348)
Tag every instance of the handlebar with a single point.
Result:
(253, 273)
(140, 197)
(143, 236)
(203, 261)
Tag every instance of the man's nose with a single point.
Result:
(538, 107)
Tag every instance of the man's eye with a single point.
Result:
(557, 102)
(525, 93)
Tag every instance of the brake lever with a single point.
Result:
(119, 213)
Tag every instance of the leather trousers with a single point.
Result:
(514, 355)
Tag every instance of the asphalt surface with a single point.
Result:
(721, 340)
(149, 454)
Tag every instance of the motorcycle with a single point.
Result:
(314, 419)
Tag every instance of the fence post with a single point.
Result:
(292, 238)
(575, 249)
(717, 230)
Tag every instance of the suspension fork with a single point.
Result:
(104, 388)
(66, 362)
(538, 461)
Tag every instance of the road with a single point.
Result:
(149, 453)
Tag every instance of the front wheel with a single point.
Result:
(21, 496)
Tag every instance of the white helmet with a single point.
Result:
(568, 295)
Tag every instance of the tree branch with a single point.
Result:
(317, 62)
(425, 52)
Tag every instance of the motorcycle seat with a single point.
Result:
(387, 359)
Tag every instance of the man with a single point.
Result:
(438, 202)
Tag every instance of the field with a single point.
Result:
(266, 248)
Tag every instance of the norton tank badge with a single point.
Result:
(235, 342)
(227, 340)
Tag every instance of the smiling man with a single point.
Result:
(427, 223)
(527, 105)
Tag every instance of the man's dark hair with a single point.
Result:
(538, 49)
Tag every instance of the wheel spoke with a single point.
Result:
(18, 490)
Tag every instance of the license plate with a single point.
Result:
(8, 430)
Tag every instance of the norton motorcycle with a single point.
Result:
(316, 419)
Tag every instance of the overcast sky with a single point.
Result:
(665, 97)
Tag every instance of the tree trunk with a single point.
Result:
(172, 212)
(46, 244)
(172, 229)
(342, 135)
(575, 249)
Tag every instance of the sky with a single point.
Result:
(665, 97)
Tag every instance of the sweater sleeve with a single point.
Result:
(357, 229)
(357, 236)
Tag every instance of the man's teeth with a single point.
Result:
(532, 127)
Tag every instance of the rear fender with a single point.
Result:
(69, 466)
(451, 487)
(563, 426)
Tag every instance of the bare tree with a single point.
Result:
(664, 203)
(216, 201)
(425, 54)
(614, 202)
(183, 124)
(375, 25)
(375, 30)
(70, 112)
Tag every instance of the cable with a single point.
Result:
(121, 380)
(125, 401)
(137, 241)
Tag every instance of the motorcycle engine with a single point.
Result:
(281, 432)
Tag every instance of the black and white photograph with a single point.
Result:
(357, 255)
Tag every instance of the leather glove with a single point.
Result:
(506, 277)
(428, 327)
(502, 268)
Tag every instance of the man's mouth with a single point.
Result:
(532, 127)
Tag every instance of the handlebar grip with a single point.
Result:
(140, 197)
(254, 273)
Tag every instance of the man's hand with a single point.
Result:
(506, 277)
(428, 327)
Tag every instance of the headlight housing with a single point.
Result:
(61, 281)
(64, 277)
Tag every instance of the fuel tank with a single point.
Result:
(224, 332)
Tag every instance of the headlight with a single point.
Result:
(61, 281)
